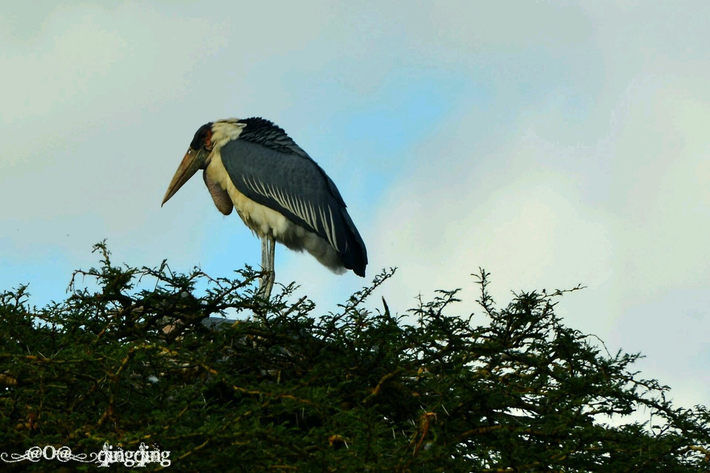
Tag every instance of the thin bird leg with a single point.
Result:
(266, 283)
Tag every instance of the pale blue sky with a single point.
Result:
(552, 143)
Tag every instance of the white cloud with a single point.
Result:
(617, 202)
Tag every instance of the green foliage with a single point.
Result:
(286, 389)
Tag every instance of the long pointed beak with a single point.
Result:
(194, 159)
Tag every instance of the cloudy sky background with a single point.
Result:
(550, 143)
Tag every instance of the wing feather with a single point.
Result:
(295, 186)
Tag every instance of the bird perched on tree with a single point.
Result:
(279, 192)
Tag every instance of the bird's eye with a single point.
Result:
(203, 138)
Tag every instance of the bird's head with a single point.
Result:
(197, 157)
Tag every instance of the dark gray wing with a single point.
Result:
(291, 183)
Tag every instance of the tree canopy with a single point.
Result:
(130, 362)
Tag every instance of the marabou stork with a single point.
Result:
(279, 192)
